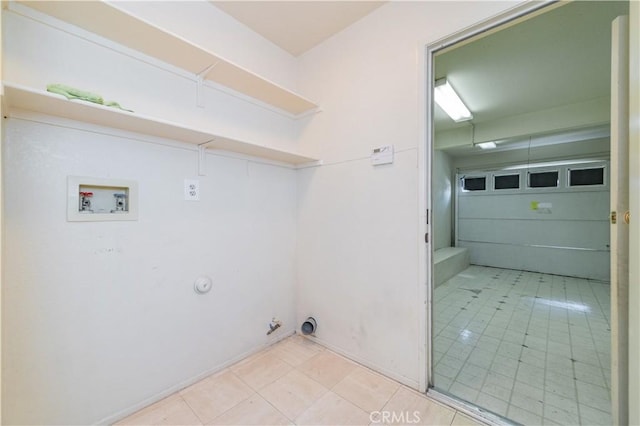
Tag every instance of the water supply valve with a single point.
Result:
(85, 202)
(274, 325)
(121, 202)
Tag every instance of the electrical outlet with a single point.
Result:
(191, 190)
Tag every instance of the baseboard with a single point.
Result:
(413, 384)
(186, 383)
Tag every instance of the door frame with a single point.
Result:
(634, 207)
(511, 16)
(619, 230)
(425, 166)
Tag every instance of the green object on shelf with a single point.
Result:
(73, 93)
(113, 104)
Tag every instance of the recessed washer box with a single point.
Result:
(91, 199)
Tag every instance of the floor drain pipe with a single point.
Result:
(309, 326)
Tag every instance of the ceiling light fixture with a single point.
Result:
(486, 145)
(450, 102)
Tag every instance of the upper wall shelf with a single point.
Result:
(108, 21)
(18, 97)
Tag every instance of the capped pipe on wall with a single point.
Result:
(309, 326)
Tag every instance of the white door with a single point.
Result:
(619, 226)
(634, 203)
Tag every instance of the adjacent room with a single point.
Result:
(521, 190)
(243, 212)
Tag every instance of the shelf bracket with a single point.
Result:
(202, 158)
(200, 84)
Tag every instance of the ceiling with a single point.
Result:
(557, 58)
(297, 26)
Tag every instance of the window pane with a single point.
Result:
(586, 177)
(474, 183)
(507, 182)
(543, 179)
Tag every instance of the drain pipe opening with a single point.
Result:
(309, 326)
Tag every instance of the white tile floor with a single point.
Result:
(297, 382)
(532, 347)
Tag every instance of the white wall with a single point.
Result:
(442, 185)
(99, 317)
(33, 57)
(353, 219)
(207, 26)
(359, 235)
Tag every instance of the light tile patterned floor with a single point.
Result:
(297, 382)
(532, 347)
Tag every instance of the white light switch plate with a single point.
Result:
(192, 190)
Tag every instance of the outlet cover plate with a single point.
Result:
(192, 190)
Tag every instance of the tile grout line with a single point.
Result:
(544, 384)
(593, 338)
(573, 364)
(565, 318)
(496, 353)
(191, 408)
(569, 288)
(600, 369)
(296, 368)
(525, 337)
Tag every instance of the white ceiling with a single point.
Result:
(557, 58)
(297, 26)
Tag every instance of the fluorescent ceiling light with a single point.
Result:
(487, 145)
(450, 102)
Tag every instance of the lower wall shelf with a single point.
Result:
(17, 97)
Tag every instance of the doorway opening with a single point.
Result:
(521, 299)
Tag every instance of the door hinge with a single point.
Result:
(627, 217)
(426, 238)
(614, 218)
